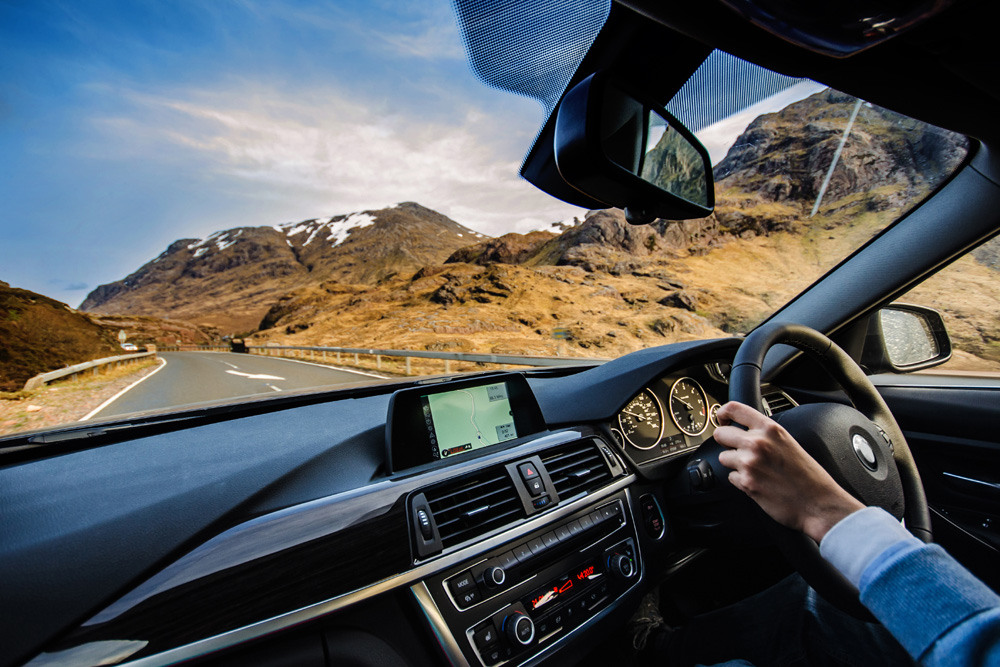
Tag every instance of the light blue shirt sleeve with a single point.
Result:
(857, 540)
(940, 613)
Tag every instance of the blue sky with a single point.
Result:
(127, 125)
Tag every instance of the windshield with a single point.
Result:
(210, 203)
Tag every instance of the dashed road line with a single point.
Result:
(332, 368)
(255, 376)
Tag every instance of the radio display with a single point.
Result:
(563, 587)
(467, 419)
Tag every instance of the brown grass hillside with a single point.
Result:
(40, 334)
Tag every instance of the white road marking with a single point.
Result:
(231, 365)
(273, 387)
(163, 362)
(332, 368)
(256, 376)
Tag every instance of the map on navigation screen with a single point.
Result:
(467, 419)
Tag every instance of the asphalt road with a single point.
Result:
(195, 377)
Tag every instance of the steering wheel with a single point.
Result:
(862, 448)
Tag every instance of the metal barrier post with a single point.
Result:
(378, 361)
(407, 365)
(447, 365)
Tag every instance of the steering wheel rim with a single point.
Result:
(744, 387)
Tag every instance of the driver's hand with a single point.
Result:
(773, 469)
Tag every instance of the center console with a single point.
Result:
(522, 598)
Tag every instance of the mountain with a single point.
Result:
(616, 287)
(619, 287)
(231, 279)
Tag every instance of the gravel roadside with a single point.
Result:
(64, 402)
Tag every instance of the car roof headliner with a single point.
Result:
(942, 72)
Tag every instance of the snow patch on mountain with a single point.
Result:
(340, 229)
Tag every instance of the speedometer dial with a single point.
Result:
(689, 406)
(641, 420)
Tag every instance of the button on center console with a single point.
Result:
(464, 590)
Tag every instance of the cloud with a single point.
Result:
(435, 41)
(67, 285)
(338, 153)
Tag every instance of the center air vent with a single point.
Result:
(776, 401)
(473, 505)
(576, 468)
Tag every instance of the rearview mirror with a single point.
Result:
(903, 338)
(630, 153)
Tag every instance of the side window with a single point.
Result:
(967, 294)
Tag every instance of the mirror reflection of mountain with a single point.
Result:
(428, 282)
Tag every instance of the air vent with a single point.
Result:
(776, 401)
(576, 468)
(473, 505)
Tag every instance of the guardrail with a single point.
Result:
(76, 369)
(336, 354)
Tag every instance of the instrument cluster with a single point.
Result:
(673, 415)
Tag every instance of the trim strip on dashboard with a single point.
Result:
(246, 633)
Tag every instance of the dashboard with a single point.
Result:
(509, 515)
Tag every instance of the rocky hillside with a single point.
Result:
(619, 287)
(230, 279)
(366, 280)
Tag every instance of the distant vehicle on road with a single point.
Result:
(130, 347)
(238, 345)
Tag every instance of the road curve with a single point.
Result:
(195, 377)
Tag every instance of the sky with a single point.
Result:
(125, 126)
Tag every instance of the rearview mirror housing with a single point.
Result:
(627, 152)
(904, 337)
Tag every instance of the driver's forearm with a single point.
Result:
(938, 611)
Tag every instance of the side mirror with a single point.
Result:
(904, 338)
(629, 153)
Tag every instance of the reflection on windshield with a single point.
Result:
(802, 178)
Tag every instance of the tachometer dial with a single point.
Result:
(641, 420)
(689, 406)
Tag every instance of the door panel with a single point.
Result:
(954, 432)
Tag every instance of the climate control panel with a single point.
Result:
(523, 597)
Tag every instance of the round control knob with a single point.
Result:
(494, 576)
(519, 629)
(621, 566)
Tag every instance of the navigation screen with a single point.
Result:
(466, 419)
